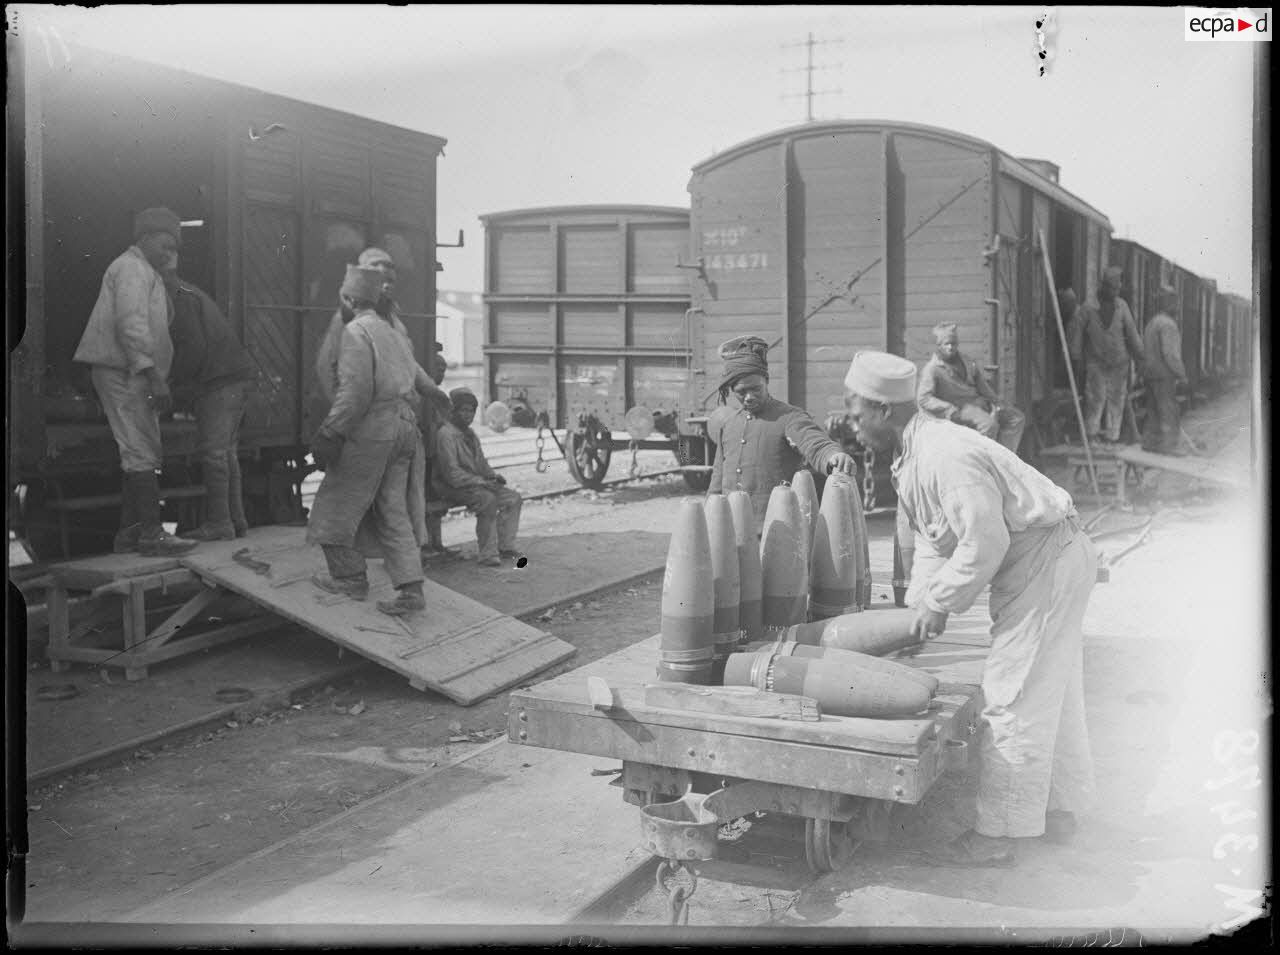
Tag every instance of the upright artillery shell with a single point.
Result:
(807, 495)
(784, 564)
(688, 600)
(875, 633)
(863, 547)
(749, 572)
(841, 689)
(834, 582)
(727, 588)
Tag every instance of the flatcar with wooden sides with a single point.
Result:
(276, 197)
(587, 328)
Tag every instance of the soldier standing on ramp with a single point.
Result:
(371, 499)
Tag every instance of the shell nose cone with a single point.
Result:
(749, 569)
(807, 496)
(835, 559)
(784, 564)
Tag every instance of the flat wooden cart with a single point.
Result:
(842, 775)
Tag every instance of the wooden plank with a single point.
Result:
(731, 701)
(1200, 468)
(94, 571)
(440, 648)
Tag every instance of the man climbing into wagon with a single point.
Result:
(761, 441)
(371, 501)
(953, 388)
(980, 515)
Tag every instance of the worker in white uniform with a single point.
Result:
(980, 515)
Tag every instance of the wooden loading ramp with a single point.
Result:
(457, 646)
(1201, 468)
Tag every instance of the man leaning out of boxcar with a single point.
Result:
(981, 516)
(371, 501)
(127, 344)
(953, 387)
(761, 441)
(212, 370)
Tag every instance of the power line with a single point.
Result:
(808, 70)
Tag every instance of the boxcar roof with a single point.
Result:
(1009, 164)
(585, 210)
(187, 78)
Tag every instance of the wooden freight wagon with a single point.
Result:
(832, 237)
(277, 196)
(587, 330)
(1233, 347)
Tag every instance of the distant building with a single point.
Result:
(460, 327)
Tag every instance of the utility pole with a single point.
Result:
(808, 69)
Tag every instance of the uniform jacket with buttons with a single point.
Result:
(129, 325)
(946, 387)
(757, 451)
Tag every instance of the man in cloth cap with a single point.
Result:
(212, 370)
(980, 515)
(430, 420)
(761, 441)
(370, 502)
(128, 346)
(1105, 337)
(1162, 372)
(953, 388)
(462, 475)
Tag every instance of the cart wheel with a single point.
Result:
(828, 846)
(587, 452)
(697, 480)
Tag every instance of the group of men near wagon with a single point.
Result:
(979, 514)
(391, 436)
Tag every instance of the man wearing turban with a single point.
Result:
(981, 516)
(371, 501)
(953, 387)
(1106, 338)
(128, 346)
(761, 441)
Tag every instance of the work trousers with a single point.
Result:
(1005, 425)
(497, 512)
(1161, 430)
(218, 416)
(133, 421)
(1105, 390)
(1035, 747)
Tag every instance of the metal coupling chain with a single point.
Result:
(868, 479)
(539, 465)
(678, 894)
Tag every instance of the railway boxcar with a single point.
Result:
(586, 319)
(832, 237)
(276, 196)
(1233, 344)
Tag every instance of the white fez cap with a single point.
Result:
(882, 377)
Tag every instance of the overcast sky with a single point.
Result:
(550, 105)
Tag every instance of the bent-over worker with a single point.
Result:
(954, 388)
(980, 516)
(127, 344)
(371, 500)
(1162, 372)
(212, 368)
(761, 441)
(462, 475)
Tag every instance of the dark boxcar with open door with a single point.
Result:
(832, 237)
(277, 196)
(586, 327)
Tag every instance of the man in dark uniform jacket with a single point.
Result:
(761, 441)
(213, 370)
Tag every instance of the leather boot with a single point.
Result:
(409, 599)
(217, 524)
(126, 539)
(154, 540)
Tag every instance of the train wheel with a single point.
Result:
(828, 845)
(587, 452)
(697, 480)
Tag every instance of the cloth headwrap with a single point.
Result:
(361, 284)
(371, 258)
(945, 328)
(1111, 276)
(157, 219)
(461, 397)
(880, 376)
(743, 356)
